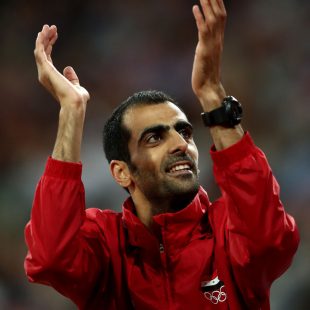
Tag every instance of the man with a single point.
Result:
(170, 248)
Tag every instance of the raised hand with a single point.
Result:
(206, 79)
(206, 75)
(65, 88)
(67, 91)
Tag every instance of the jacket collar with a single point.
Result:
(176, 229)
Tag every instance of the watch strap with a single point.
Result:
(228, 115)
(215, 117)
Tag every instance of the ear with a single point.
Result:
(120, 172)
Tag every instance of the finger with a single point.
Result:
(39, 48)
(48, 35)
(207, 11)
(52, 35)
(45, 35)
(70, 74)
(49, 47)
(53, 38)
(45, 41)
(219, 10)
(52, 31)
(41, 38)
(198, 17)
(221, 6)
(215, 7)
(45, 29)
(48, 52)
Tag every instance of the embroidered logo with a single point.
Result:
(214, 290)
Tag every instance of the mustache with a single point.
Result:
(180, 157)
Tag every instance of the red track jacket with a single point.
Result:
(223, 255)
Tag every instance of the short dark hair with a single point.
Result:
(115, 135)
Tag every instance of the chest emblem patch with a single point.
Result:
(214, 290)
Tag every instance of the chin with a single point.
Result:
(182, 196)
(184, 186)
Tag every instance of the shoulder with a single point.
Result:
(95, 213)
(97, 220)
(107, 215)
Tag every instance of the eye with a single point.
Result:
(186, 133)
(153, 138)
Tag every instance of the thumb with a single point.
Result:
(70, 74)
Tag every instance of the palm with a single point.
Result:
(206, 67)
(65, 88)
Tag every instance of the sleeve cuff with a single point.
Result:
(61, 169)
(234, 153)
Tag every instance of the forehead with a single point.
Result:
(140, 117)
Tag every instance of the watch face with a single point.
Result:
(233, 110)
(236, 111)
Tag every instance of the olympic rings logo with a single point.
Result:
(216, 296)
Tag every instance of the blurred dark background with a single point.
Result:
(119, 47)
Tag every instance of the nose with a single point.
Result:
(177, 144)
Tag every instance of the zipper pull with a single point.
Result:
(161, 248)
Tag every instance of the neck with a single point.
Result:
(146, 209)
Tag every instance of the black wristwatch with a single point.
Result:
(228, 115)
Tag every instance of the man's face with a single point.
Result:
(162, 151)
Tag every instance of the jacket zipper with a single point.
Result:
(163, 256)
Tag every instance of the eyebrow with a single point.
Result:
(182, 124)
(159, 128)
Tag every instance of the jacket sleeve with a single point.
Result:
(65, 249)
(260, 237)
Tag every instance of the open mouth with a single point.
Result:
(180, 168)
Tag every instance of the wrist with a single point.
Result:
(211, 97)
(72, 112)
(75, 102)
(225, 137)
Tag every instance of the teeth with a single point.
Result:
(180, 167)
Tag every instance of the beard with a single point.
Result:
(180, 194)
(170, 193)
